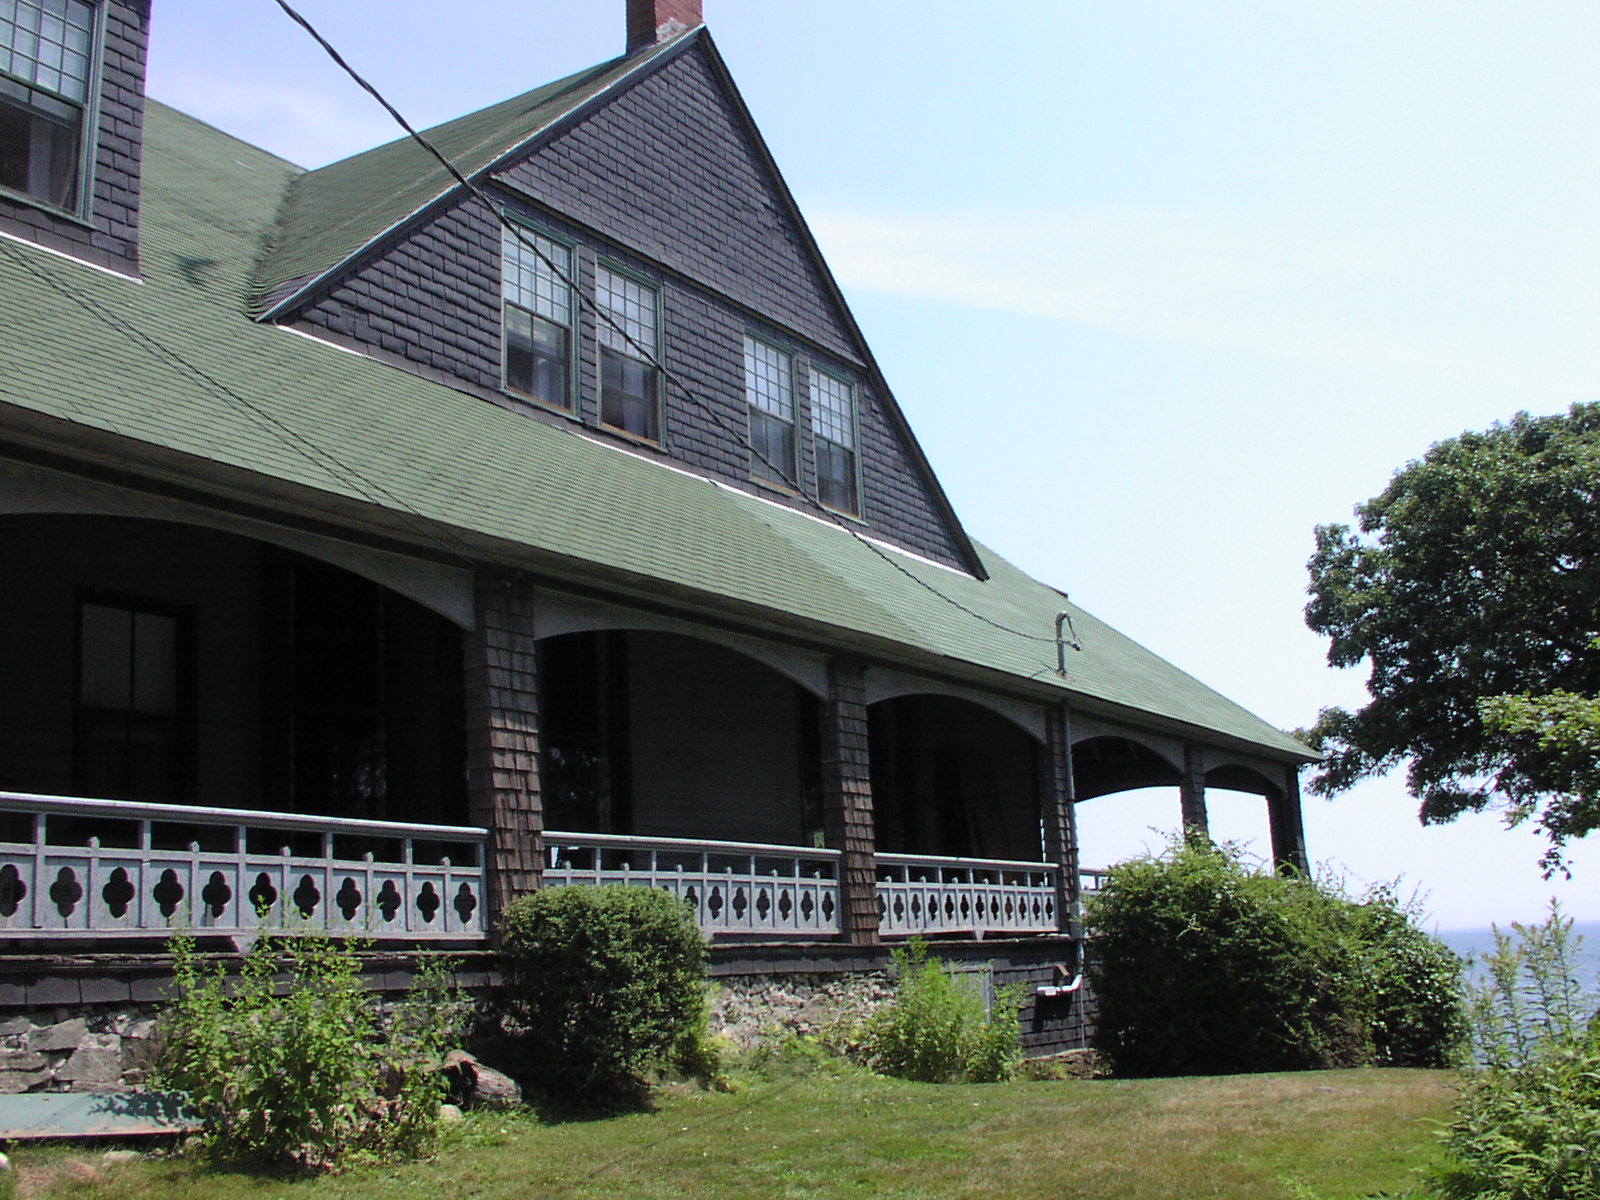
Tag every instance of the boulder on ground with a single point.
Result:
(473, 1085)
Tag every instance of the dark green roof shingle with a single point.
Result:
(172, 372)
(336, 211)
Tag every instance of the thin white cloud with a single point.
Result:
(1442, 302)
(294, 122)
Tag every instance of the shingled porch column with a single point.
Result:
(1059, 816)
(1288, 826)
(847, 800)
(502, 709)
(1192, 796)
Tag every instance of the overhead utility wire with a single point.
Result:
(641, 351)
(312, 453)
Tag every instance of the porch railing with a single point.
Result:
(733, 887)
(921, 894)
(745, 888)
(104, 867)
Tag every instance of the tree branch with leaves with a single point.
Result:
(1471, 589)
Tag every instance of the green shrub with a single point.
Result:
(304, 1078)
(1528, 1125)
(1201, 965)
(1414, 986)
(603, 984)
(937, 1029)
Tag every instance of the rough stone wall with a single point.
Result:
(66, 1050)
(777, 991)
(80, 1045)
(751, 1009)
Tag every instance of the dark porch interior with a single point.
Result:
(663, 735)
(950, 777)
(149, 661)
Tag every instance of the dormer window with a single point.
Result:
(630, 345)
(537, 332)
(769, 390)
(46, 68)
(833, 423)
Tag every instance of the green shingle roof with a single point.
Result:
(171, 375)
(336, 211)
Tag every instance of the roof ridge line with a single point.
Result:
(303, 287)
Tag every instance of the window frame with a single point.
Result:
(181, 722)
(814, 371)
(81, 209)
(793, 483)
(656, 289)
(510, 219)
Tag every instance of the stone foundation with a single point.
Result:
(107, 1050)
(801, 989)
(88, 1024)
(750, 1009)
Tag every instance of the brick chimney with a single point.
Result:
(653, 21)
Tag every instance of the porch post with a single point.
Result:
(1192, 796)
(847, 799)
(1288, 826)
(502, 707)
(1060, 818)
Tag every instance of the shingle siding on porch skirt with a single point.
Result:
(1056, 808)
(847, 799)
(502, 707)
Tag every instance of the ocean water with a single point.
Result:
(1477, 942)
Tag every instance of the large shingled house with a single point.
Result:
(374, 553)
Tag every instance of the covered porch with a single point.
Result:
(215, 724)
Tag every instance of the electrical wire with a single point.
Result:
(285, 434)
(646, 354)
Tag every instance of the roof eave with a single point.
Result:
(113, 458)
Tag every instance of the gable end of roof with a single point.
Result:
(327, 224)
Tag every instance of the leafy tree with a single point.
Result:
(1564, 730)
(1474, 575)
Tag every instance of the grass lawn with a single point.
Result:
(1337, 1134)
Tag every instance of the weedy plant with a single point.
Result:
(1528, 1125)
(937, 1028)
(288, 1062)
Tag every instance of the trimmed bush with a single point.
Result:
(937, 1029)
(602, 985)
(305, 1079)
(1201, 965)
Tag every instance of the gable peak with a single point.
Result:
(651, 22)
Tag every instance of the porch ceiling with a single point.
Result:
(172, 374)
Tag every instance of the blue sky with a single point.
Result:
(1160, 286)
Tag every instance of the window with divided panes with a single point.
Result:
(833, 424)
(629, 330)
(769, 391)
(538, 315)
(46, 81)
(134, 683)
